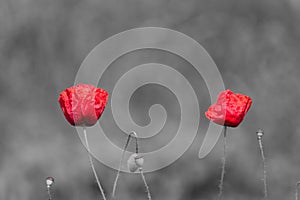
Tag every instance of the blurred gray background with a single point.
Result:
(255, 45)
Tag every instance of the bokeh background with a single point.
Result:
(255, 45)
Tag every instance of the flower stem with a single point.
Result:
(223, 164)
(120, 164)
(259, 138)
(296, 191)
(136, 143)
(141, 171)
(145, 183)
(92, 164)
(49, 193)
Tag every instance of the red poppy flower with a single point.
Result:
(83, 104)
(230, 109)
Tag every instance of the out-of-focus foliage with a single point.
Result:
(255, 44)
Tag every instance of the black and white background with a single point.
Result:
(254, 43)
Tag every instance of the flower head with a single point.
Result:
(83, 104)
(230, 109)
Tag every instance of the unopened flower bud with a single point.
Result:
(135, 162)
(260, 134)
(49, 181)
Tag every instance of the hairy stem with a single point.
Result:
(145, 183)
(136, 143)
(120, 164)
(49, 193)
(92, 164)
(264, 167)
(296, 191)
(223, 164)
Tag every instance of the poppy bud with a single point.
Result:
(135, 162)
(49, 181)
(260, 134)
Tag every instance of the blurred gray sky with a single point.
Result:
(255, 45)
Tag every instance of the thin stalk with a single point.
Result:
(259, 138)
(141, 171)
(136, 143)
(145, 183)
(120, 164)
(296, 191)
(49, 193)
(92, 164)
(223, 164)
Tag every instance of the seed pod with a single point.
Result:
(135, 162)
